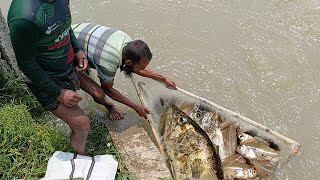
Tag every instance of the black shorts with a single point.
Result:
(49, 102)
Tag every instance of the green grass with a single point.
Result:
(28, 140)
(26, 144)
(14, 90)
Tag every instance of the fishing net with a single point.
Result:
(157, 97)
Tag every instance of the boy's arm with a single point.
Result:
(78, 51)
(117, 96)
(74, 42)
(24, 37)
(156, 76)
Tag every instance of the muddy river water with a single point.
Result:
(260, 58)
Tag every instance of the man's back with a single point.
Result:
(103, 46)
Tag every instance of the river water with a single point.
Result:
(259, 58)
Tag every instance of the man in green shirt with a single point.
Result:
(49, 55)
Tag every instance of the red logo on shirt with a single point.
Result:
(59, 44)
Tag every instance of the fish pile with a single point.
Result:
(201, 144)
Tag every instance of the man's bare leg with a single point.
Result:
(78, 122)
(91, 87)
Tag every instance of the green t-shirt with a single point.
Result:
(43, 41)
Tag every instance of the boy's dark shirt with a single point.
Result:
(43, 41)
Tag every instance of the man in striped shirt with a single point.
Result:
(107, 50)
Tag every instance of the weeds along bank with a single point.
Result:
(28, 138)
(26, 143)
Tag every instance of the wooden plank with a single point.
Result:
(149, 118)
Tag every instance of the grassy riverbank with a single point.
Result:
(28, 138)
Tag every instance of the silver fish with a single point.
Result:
(236, 158)
(259, 152)
(245, 138)
(263, 169)
(209, 122)
(241, 171)
(229, 141)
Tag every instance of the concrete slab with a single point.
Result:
(141, 157)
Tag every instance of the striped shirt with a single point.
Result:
(103, 46)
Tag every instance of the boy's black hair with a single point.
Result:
(134, 51)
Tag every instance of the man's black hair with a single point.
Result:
(134, 51)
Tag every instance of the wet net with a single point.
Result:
(157, 98)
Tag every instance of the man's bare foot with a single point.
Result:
(115, 114)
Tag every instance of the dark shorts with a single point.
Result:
(49, 102)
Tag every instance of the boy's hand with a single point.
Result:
(142, 111)
(83, 61)
(170, 84)
(69, 98)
